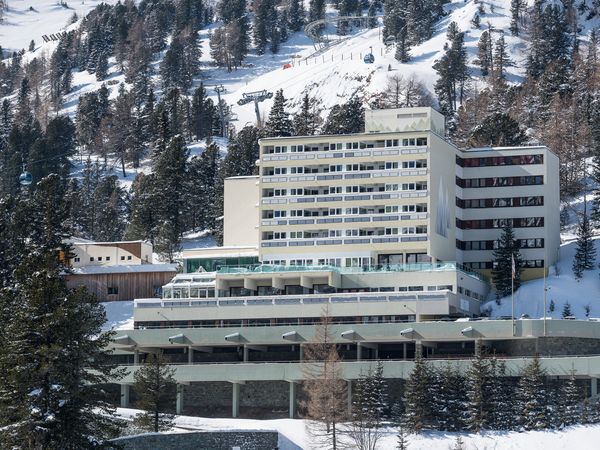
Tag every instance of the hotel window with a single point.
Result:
(391, 165)
(335, 211)
(409, 164)
(296, 234)
(409, 208)
(122, 258)
(421, 141)
(391, 143)
(408, 186)
(408, 230)
(108, 258)
(129, 258)
(391, 187)
(279, 192)
(335, 233)
(391, 209)
(77, 259)
(278, 214)
(280, 170)
(99, 258)
(391, 231)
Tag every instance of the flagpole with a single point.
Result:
(545, 285)
(512, 289)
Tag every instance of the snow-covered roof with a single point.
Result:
(140, 268)
(77, 240)
(242, 177)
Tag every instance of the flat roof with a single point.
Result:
(218, 252)
(138, 268)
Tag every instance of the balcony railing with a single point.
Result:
(309, 299)
(373, 239)
(416, 267)
(358, 153)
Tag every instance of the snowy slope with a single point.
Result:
(562, 287)
(294, 436)
(119, 315)
(21, 24)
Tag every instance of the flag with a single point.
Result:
(514, 270)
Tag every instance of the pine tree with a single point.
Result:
(154, 384)
(499, 393)
(485, 52)
(56, 356)
(497, 129)
(501, 58)
(307, 120)
(297, 15)
(417, 397)
(348, 118)
(504, 255)
(585, 253)
(402, 442)
(570, 410)
(532, 397)
(449, 389)
(477, 414)
(517, 7)
(278, 123)
(402, 47)
(566, 312)
(369, 402)
(316, 10)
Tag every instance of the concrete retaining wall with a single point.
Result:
(219, 440)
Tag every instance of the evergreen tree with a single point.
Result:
(485, 52)
(402, 47)
(297, 15)
(278, 123)
(501, 59)
(570, 411)
(307, 120)
(154, 384)
(497, 129)
(499, 394)
(585, 253)
(517, 7)
(566, 312)
(402, 442)
(448, 407)
(348, 118)
(369, 402)
(417, 397)
(478, 408)
(316, 10)
(532, 397)
(56, 355)
(504, 255)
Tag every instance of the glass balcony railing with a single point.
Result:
(416, 267)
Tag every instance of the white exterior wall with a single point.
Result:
(110, 253)
(240, 227)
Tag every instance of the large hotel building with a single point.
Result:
(383, 230)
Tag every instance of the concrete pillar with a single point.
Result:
(235, 404)
(136, 357)
(594, 387)
(179, 402)
(349, 397)
(418, 349)
(477, 347)
(190, 355)
(124, 396)
(245, 353)
(404, 351)
(301, 352)
(292, 399)
(358, 351)
(376, 351)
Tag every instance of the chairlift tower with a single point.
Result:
(218, 89)
(256, 97)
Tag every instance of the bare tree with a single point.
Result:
(405, 93)
(326, 403)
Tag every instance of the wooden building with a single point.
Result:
(122, 282)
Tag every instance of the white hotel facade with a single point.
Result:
(391, 232)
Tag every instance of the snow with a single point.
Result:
(293, 435)
(134, 268)
(119, 315)
(562, 287)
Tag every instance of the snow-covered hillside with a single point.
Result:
(293, 435)
(562, 287)
(26, 20)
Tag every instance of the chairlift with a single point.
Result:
(25, 179)
(369, 58)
